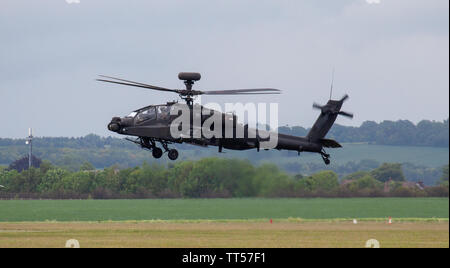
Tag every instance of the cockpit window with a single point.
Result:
(163, 112)
(132, 115)
(148, 114)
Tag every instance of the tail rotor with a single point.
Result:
(334, 107)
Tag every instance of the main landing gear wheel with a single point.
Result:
(173, 154)
(326, 158)
(157, 152)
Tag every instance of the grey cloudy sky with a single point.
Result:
(392, 58)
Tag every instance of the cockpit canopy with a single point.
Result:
(160, 112)
(132, 115)
(147, 114)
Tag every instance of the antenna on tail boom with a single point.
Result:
(332, 83)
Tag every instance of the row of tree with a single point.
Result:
(72, 160)
(210, 177)
(401, 133)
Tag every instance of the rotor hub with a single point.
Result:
(191, 77)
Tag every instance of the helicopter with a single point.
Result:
(153, 124)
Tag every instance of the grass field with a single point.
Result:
(225, 234)
(225, 223)
(221, 209)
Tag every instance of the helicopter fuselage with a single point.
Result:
(153, 124)
(159, 123)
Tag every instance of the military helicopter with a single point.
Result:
(152, 124)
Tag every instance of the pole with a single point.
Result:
(31, 152)
(30, 142)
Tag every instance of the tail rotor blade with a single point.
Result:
(346, 114)
(317, 106)
(344, 98)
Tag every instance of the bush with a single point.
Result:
(388, 172)
(402, 192)
(324, 181)
(438, 191)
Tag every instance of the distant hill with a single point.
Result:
(398, 133)
(422, 148)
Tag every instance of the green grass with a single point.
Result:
(224, 235)
(221, 209)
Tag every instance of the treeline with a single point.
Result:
(208, 178)
(400, 133)
(72, 160)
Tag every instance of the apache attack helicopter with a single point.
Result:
(152, 124)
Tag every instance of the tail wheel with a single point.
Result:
(173, 154)
(157, 152)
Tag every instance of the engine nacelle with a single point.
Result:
(189, 76)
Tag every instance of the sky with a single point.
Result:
(390, 56)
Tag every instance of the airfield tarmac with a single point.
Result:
(202, 234)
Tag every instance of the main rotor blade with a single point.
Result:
(254, 91)
(136, 84)
(250, 91)
(123, 80)
(236, 94)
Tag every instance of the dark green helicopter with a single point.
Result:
(152, 124)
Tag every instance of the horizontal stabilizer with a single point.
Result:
(330, 143)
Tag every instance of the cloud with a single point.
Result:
(370, 2)
(393, 55)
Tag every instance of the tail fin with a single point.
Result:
(330, 143)
(327, 117)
